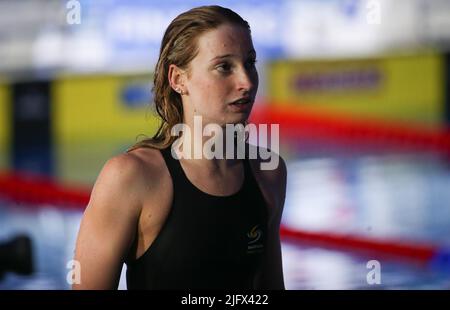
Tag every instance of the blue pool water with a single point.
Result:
(404, 197)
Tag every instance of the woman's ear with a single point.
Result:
(176, 78)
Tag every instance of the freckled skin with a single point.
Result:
(132, 197)
(211, 86)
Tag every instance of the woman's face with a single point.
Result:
(222, 72)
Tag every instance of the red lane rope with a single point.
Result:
(419, 252)
(36, 192)
(298, 124)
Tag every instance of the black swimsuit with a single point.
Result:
(207, 241)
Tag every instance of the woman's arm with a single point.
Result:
(109, 223)
(271, 273)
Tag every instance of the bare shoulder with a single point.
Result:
(128, 176)
(149, 161)
(122, 168)
(269, 164)
(142, 161)
(108, 227)
(270, 171)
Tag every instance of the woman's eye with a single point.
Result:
(251, 63)
(225, 67)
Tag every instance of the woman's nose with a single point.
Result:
(246, 80)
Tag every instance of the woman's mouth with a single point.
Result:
(241, 105)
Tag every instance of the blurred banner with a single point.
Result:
(409, 88)
(5, 118)
(125, 35)
(68, 126)
(115, 106)
(32, 143)
(96, 116)
(360, 90)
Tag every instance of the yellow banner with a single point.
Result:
(5, 126)
(95, 117)
(398, 88)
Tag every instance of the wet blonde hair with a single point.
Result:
(179, 47)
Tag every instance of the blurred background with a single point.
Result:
(360, 89)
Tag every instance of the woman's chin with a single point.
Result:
(238, 118)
